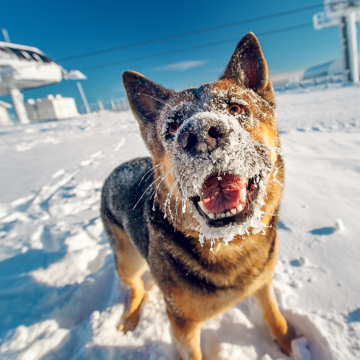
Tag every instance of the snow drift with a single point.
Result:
(60, 297)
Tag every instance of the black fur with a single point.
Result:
(122, 191)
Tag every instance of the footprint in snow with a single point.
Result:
(339, 226)
(353, 316)
(282, 226)
(323, 231)
(301, 261)
(23, 203)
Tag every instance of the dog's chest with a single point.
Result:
(175, 261)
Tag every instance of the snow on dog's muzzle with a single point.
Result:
(203, 132)
(223, 173)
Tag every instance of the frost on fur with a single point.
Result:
(238, 154)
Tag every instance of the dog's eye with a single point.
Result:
(173, 128)
(235, 108)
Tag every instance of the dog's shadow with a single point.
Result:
(239, 333)
(157, 349)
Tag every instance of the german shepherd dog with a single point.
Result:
(201, 212)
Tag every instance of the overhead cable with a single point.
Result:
(90, 68)
(195, 32)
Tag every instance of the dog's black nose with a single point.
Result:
(196, 138)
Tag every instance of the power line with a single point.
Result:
(192, 48)
(171, 37)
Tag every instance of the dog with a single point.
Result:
(201, 212)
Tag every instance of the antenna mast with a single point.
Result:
(5, 35)
(345, 14)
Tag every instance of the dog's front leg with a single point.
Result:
(187, 336)
(266, 300)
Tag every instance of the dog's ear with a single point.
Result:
(145, 97)
(248, 67)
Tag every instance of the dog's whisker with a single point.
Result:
(169, 194)
(155, 169)
(152, 169)
(156, 188)
(176, 207)
(153, 97)
(168, 198)
(155, 192)
(151, 112)
(176, 182)
(147, 190)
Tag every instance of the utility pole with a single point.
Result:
(86, 104)
(345, 14)
(101, 105)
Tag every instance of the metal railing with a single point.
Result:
(116, 105)
(339, 78)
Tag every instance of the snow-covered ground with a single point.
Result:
(60, 297)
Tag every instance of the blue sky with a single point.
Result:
(67, 28)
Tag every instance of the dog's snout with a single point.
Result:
(200, 136)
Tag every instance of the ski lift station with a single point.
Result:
(26, 67)
(345, 14)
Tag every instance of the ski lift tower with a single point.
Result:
(26, 67)
(345, 14)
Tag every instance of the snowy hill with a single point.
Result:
(60, 297)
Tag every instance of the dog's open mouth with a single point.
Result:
(226, 198)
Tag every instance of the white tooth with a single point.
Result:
(211, 215)
(233, 211)
(222, 215)
(201, 204)
(243, 195)
(239, 207)
(228, 213)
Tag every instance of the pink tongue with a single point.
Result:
(221, 193)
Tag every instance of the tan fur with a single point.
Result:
(247, 263)
(130, 266)
(194, 309)
(265, 298)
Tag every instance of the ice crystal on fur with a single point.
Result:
(238, 154)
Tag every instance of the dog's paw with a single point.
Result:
(285, 345)
(129, 321)
(285, 341)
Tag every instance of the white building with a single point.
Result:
(4, 115)
(51, 108)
